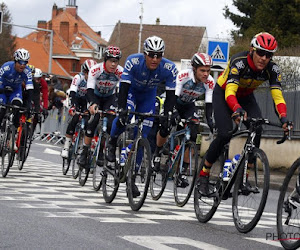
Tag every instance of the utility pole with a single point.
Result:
(141, 27)
(51, 41)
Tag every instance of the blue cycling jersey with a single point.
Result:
(142, 79)
(10, 77)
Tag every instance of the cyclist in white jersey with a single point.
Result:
(101, 94)
(191, 84)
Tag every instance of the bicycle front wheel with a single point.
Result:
(8, 152)
(77, 149)
(29, 138)
(67, 161)
(139, 174)
(21, 155)
(184, 179)
(288, 209)
(249, 199)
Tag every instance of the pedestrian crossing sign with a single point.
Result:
(219, 51)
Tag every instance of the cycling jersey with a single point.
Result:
(143, 80)
(241, 78)
(103, 83)
(79, 85)
(10, 77)
(187, 90)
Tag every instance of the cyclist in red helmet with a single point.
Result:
(233, 97)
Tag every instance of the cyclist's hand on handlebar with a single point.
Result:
(236, 116)
(72, 111)
(123, 116)
(286, 125)
(93, 109)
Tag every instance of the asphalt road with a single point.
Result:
(43, 209)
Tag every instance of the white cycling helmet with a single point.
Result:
(38, 73)
(87, 64)
(154, 44)
(21, 55)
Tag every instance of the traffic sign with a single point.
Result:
(219, 51)
(1, 19)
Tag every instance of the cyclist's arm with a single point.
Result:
(123, 93)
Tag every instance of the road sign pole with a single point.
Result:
(1, 21)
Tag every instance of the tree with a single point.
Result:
(7, 40)
(280, 18)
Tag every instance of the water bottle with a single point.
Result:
(104, 124)
(227, 170)
(124, 154)
(234, 162)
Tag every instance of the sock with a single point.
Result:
(205, 171)
(67, 142)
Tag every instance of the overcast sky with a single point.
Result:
(103, 15)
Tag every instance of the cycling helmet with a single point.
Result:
(38, 73)
(201, 59)
(32, 68)
(21, 55)
(264, 41)
(86, 66)
(112, 52)
(154, 44)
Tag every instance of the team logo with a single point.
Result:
(276, 69)
(234, 71)
(135, 60)
(279, 77)
(240, 65)
(168, 66)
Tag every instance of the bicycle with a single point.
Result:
(75, 147)
(8, 137)
(288, 216)
(250, 183)
(136, 171)
(98, 147)
(172, 165)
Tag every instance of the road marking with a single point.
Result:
(262, 240)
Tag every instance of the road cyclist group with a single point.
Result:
(123, 131)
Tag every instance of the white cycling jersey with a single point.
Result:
(188, 90)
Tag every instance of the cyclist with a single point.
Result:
(12, 75)
(233, 97)
(78, 101)
(191, 84)
(101, 93)
(142, 74)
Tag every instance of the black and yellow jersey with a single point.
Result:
(241, 78)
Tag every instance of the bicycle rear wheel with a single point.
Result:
(21, 155)
(8, 152)
(111, 178)
(249, 201)
(139, 174)
(288, 209)
(184, 181)
(205, 207)
(29, 138)
(83, 175)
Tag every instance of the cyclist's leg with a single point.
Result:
(224, 124)
(69, 135)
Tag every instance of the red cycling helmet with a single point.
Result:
(264, 41)
(87, 64)
(201, 59)
(112, 52)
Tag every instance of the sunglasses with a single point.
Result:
(154, 54)
(262, 53)
(22, 62)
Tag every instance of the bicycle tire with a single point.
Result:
(21, 154)
(139, 173)
(67, 161)
(111, 178)
(205, 207)
(287, 212)
(8, 150)
(83, 175)
(29, 139)
(183, 193)
(98, 170)
(77, 149)
(242, 207)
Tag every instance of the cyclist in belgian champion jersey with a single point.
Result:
(191, 84)
(78, 101)
(12, 75)
(233, 97)
(142, 74)
(101, 94)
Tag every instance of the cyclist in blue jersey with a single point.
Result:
(12, 75)
(142, 73)
(102, 81)
(78, 100)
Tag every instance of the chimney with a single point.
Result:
(99, 33)
(157, 21)
(72, 8)
(64, 31)
(54, 11)
(42, 24)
